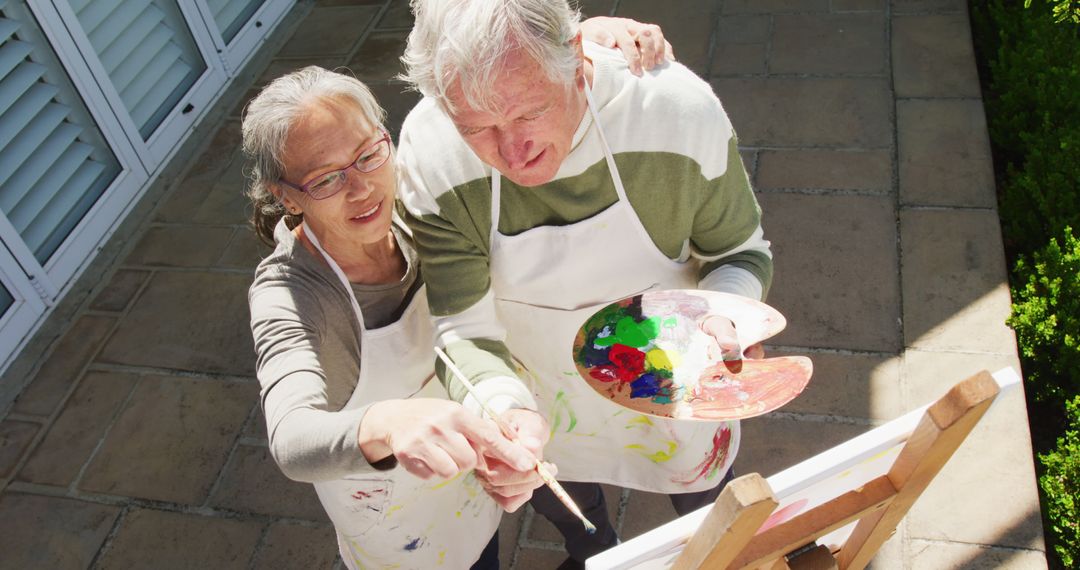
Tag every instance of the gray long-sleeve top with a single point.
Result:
(308, 343)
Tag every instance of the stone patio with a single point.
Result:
(137, 440)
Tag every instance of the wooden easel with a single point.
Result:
(729, 537)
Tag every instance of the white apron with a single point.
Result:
(547, 281)
(392, 519)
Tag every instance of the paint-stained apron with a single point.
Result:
(547, 281)
(391, 518)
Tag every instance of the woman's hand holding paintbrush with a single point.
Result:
(511, 433)
(511, 487)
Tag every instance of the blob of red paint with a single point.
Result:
(629, 362)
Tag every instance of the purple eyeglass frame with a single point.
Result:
(304, 187)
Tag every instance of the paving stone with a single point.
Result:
(321, 35)
(739, 59)
(397, 16)
(956, 296)
(851, 113)
(945, 155)
(171, 440)
(774, 6)
(252, 483)
(922, 6)
(929, 554)
(180, 246)
(257, 426)
(219, 152)
(379, 58)
(828, 44)
(743, 30)
(188, 321)
(78, 429)
(122, 288)
(538, 559)
(771, 444)
(509, 530)
(51, 532)
(687, 29)
(933, 57)
(160, 539)
(750, 161)
(244, 251)
(226, 203)
(992, 468)
(61, 369)
(596, 7)
(15, 437)
(836, 270)
(858, 5)
(280, 66)
(929, 375)
(820, 169)
(237, 111)
(891, 555)
(289, 546)
(849, 385)
(185, 199)
(644, 512)
(397, 101)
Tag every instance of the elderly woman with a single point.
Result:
(344, 337)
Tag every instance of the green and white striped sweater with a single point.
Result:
(678, 159)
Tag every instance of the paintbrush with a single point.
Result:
(548, 479)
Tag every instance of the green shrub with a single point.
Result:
(1064, 10)
(1046, 318)
(1033, 113)
(1060, 485)
(1042, 198)
(1031, 72)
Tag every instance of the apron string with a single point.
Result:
(340, 274)
(607, 148)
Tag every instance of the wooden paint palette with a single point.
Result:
(649, 354)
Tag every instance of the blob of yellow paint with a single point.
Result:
(661, 359)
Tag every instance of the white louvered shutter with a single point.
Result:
(147, 51)
(54, 163)
(230, 15)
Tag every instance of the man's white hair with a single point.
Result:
(465, 42)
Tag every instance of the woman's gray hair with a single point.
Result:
(270, 116)
(465, 42)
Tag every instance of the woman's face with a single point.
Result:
(330, 136)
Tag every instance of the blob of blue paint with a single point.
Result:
(591, 356)
(646, 386)
(414, 544)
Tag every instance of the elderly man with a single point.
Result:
(543, 180)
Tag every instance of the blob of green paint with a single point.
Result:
(632, 333)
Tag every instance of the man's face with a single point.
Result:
(530, 135)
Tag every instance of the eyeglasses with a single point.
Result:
(329, 183)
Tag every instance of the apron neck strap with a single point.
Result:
(337, 271)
